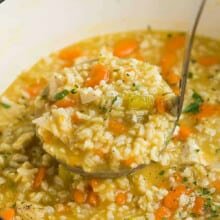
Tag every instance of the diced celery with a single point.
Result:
(139, 102)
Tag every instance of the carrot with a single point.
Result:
(198, 207)
(138, 56)
(209, 60)
(35, 89)
(121, 198)
(216, 184)
(171, 200)
(93, 183)
(117, 127)
(98, 73)
(184, 133)
(162, 213)
(79, 196)
(100, 153)
(75, 119)
(93, 198)
(160, 104)
(175, 43)
(68, 54)
(175, 89)
(7, 214)
(128, 161)
(178, 178)
(168, 61)
(172, 78)
(39, 177)
(208, 110)
(125, 47)
(64, 103)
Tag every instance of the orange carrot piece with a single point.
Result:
(128, 161)
(98, 73)
(7, 214)
(93, 198)
(178, 178)
(93, 183)
(172, 78)
(208, 110)
(75, 119)
(162, 213)
(198, 207)
(216, 185)
(125, 47)
(168, 61)
(209, 60)
(39, 177)
(117, 127)
(64, 103)
(184, 133)
(79, 196)
(175, 89)
(171, 200)
(35, 89)
(121, 198)
(160, 104)
(175, 43)
(70, 53)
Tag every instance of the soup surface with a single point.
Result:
(106, 102)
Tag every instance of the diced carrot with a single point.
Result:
(184, 132)
(93, 183)
(172, 78)
(117, 127)
(79, 196)
(209, 60)
(75, 119)
(35, 89)
(171, 200)
(208, 110)
(100, 153)
(70, 53)
(125, 47)
(175, 89)
(168, 61)
(128, 161)
(160, 104)
(65, 103)
(39, 177)
(162, 213)
(93, 198)
(121, 198)
(198, 207)
(216, 184)
(7, 214)
(98, 73)
(178, 178)
(175, 43)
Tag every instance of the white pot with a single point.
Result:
(30, 29)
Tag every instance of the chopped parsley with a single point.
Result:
(114, 99)
(135, 87)
(194, 106)
(74, 89)
(4, 105)
(204, 191)
(185, 179)
(161, 173)
(61, 95)
(190, 75)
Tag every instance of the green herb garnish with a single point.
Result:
(190, 75)
(195, 105)
(61, 95)
(161, 173)
(114, 99)
(4, 105)
(74, 89)
(185, 179)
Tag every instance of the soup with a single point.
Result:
(183, 183)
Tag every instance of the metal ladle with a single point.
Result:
(180, 100)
